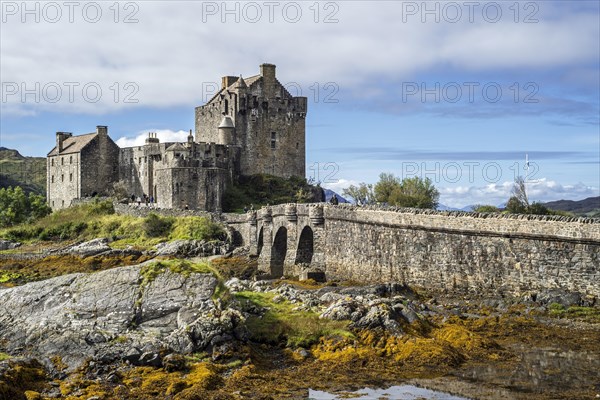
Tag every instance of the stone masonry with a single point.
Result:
(251, 126)
(447, 251)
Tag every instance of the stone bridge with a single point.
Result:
(475, 252)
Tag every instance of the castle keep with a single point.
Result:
(251, 126)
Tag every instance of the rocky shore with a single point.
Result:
(174, 325)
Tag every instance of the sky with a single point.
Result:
(459, 92)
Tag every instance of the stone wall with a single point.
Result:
(63, 180)
(99, 165)
(449, 251)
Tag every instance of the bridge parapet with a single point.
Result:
(436, 249)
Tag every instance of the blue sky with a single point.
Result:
(455, 92)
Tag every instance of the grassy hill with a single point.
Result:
(588, 207)
(27, 172)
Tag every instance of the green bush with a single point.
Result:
(198, 228)
(157, 226)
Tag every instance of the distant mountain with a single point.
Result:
(329, 194)
(589, 206)
(18, 170)
(442, 207)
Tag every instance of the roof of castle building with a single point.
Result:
(74, 144)
(242, 83)
(177, 147)
(226, 122)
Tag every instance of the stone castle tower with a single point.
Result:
(251, 126)
(262, 118)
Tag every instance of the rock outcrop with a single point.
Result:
(8, 244)
(191, 248)
(117, 314)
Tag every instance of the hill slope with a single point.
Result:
(27, 172)
(591, 205)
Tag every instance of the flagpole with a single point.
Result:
(526, 176)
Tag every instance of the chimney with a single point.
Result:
(152, 138)
(101, 129)
(60, 138)
(267, 71)
(227, 81)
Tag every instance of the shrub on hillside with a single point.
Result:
(157, 226)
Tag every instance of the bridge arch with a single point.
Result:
(305, 249)
(259, 242)
(278, 252)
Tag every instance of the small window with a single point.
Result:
(70, 177)
(71, 160)
(52, 180)
(62, 178)
(52, 203)
(62, 161)
(139, 160)
(63, 203)
(273, 140)
(52, 162)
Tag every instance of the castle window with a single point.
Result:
(52, 179)
(52, 203)
(62, 178)
(52, 162)
(226, 108)
(139, 160)
(297, 144)
(63, 203)
(273, 140)
(70, 159)
(62, 161)
(70, 177)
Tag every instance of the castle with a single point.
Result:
(250, 126)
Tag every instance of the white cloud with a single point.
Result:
(542, 190)
(170, 53)
(165, 135)
(339, 185)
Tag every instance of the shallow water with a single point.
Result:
(404, 392)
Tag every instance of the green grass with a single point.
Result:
(282, 324)
(590, 314)
(263, 189)
(98, 219)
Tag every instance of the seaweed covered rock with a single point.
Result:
(137, 314)
(191, 248)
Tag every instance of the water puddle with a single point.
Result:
(404, 392)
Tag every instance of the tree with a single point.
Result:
(17, 207)
(362, 194)
(384, 188)
(515, 206)
(519, 191)
(415, 192)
